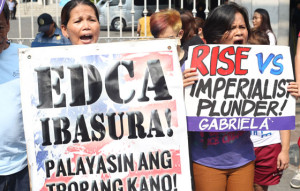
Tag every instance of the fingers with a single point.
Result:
(189, 81)
(282, 166)
(278, 163)
(295, 94)
(225, 35)
(282, 161)
(293, 85)
(189, 75)
(293, 88)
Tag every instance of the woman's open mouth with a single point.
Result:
(86, 38)
(238, 42)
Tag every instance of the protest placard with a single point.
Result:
(105, 117)
(240, 88)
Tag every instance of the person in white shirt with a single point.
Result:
(261, 21)
(13, 158)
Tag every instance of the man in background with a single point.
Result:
(49, 34)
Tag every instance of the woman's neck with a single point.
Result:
(180, 52)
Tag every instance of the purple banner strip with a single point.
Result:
(222, 124)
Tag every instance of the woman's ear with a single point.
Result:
(64, 31)
(199, 31)
(180, 33)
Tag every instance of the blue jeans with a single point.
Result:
(15, 182)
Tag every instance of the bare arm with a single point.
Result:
(294, 89)
(138, 30)
(283, 157)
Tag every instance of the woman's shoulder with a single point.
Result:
(270, 33)
(272, 37)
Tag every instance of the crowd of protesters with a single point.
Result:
(237, 165)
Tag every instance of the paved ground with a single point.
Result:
(294, 153)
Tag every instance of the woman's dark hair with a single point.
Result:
(258, 37)
(65, 12)
(265, 20)
(199, 23)
(6, 11)
(220, 20)
(188, 25)
(149, 13)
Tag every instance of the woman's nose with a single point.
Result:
(238, 31)
(86, 25)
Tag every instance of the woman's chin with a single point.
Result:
(90, 41)
(86, 41)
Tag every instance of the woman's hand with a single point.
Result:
(293, 88)
(189, 76)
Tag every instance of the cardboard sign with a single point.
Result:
(240, 88)
(105, 117)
